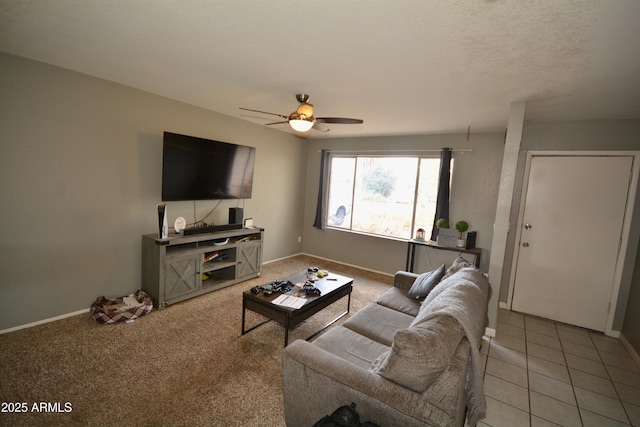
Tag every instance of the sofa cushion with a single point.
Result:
(396, 299)
(425, 282)
(350, 346)
(420, 353)
(378, 323)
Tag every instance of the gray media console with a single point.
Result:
(178, 268)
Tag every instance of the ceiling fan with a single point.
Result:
(302, 120)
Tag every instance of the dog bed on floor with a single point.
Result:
(125, 308)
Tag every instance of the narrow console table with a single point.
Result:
(178, 268)
(411, 251)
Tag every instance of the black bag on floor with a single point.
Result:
(344, 416)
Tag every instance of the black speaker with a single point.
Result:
(471, 240)
(235, 215)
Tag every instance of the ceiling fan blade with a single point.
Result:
(339, 120)
(264, 112)
(276, 123)
(320, 127)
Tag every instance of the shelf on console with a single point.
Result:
(217, 265)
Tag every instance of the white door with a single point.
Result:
(572, 224)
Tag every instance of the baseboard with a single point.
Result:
(43, 321)
(503, 305)
(330, 260)
(348, 265)
(632, 351)
(613, 334)
(283, 258)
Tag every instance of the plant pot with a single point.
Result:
(460, 243)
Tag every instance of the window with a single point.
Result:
(383, 195)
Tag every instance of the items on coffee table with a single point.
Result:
(304, 300)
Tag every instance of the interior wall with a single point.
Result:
(80, 178)
(597, 135)
(474, 192)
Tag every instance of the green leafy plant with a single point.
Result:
(442, 223)
(462, 226)
(380, 181)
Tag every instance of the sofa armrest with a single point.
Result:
(316, 382)
(404, 280)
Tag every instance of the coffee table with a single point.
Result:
(333, 288)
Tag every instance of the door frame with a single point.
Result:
(626, 224)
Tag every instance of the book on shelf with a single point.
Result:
(211, 256)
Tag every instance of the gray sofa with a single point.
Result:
(402, 361)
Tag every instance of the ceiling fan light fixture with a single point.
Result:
(301, 124)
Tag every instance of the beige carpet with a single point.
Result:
(185, 365)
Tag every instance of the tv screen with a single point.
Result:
(203, 169)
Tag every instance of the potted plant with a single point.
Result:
(442, 223)
(461, 226)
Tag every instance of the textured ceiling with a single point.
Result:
(403, 66)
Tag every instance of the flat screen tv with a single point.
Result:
(203, 169)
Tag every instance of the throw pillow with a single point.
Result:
(457, 265)
(418, 356)
(425, 282)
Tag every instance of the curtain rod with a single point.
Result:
(454, 150)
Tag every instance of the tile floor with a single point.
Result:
(543, 373)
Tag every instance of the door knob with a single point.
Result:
(525, 244)
(527, 226)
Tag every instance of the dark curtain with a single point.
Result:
(323, 192)
(442, 202)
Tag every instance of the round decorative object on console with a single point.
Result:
(179, 224)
